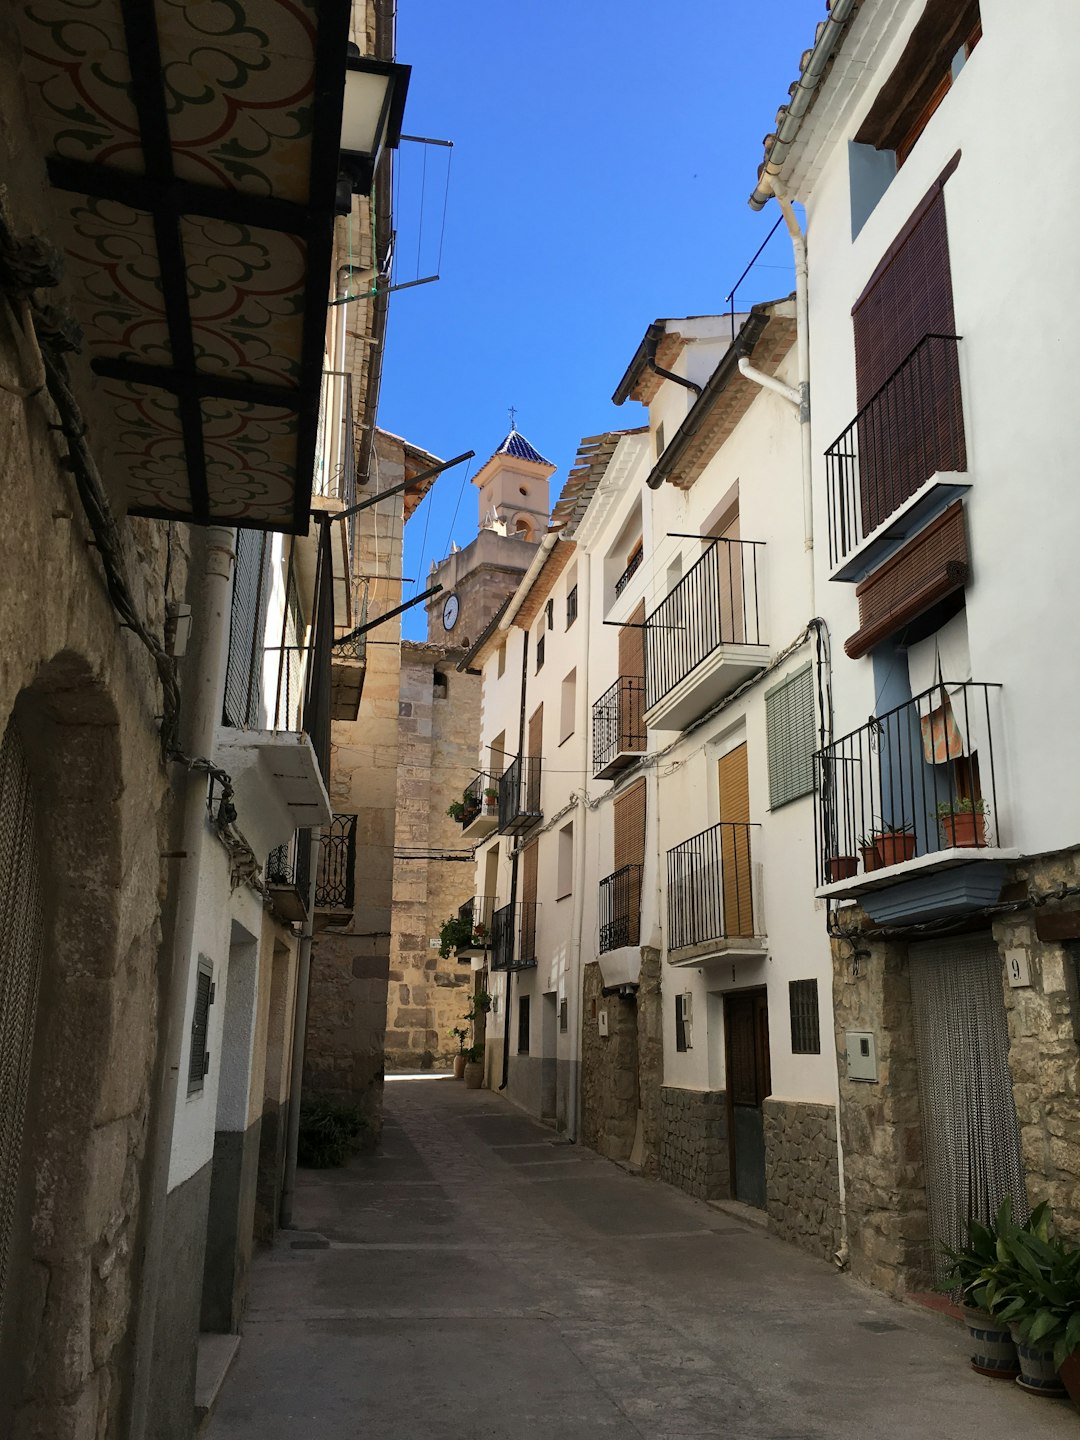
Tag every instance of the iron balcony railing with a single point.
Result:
(620, 908)
(910, 428)
(513, 936)
(288, 867)
(334, 883)
(714, 604)
(709, 885)
(634, 565)
(519, 795)
(479, 911)
(481, 794)
(619, 722)
(919, 779)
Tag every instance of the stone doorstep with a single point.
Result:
(750, 1213)
(216, 1354)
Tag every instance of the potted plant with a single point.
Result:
(481, 1005)
(460, 1035)
(960, 822)
(1034, 1285)
(474, 1067)
(841, 867)
(995, 1349)
(456, 809)
(887, 844)
(456, 933)
(491, 798)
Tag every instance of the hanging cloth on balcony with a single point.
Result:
(930, 661)
(941, 737)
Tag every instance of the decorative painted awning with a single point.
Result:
(193, 148)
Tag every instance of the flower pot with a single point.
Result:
(1070, 1375)
(961, 832)
(995, 1351)
(871, 860)
(893, 847)
(841, 867)
(1038, 1373)
(474, 1074)
(459, 1066)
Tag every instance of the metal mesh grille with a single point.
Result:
(970, 1133)
(21, 930)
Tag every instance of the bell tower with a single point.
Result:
(513, 488)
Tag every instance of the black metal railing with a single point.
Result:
(288, 866)
(513, 936)
(519, 794)
(710, 889)
(334, 882)
(909, 428)
(479, 911)
(631, 569)
(919, 779)
(714, 604)
(480, 796)
(620, 908)
(619, 722)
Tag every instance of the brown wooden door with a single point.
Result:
(735, 843)
(746, 1035)
(629, 818)
(631, 702)
(527, 929)
(531, 763)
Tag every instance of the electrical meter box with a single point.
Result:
(601, 1022)
(861, 1056)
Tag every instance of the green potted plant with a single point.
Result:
(1034, 1286)
(481, 1005)
(841, 867)
(456, 933)
(491, 797)
(995, 1349)
(474, 1067)
(887, 844)
(456, 809)
(960, 822)
(460, 1034)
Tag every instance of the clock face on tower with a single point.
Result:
(450, 612)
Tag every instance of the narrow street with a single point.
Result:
(477, 1278)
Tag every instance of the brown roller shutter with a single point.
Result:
(527, 921)
(536, 732)
(632, 644)
(913, 426)
(629, 811)
(735, 842)
(529, 858)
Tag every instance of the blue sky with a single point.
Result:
(603, 155)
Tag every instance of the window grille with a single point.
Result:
(199, 1059)
(805, 1021)
(549, 610)
(571, 607)
(540, 653)
(523, 1025)
(789, 717)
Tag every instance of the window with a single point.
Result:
(247, 622)
(539, 653)
(683, 1021)
(659, 438)
(440, 686)
(789, 723)
(549, 611)
(501, 669)
(523, 1024)
(564, 879)
(567, 706)
(199, 1058)
(571, 606)
(805, 1023)
(564, 1018)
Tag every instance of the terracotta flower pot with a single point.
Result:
(1038, 1373)
(871, 860)
(1070, 1375)
(459, 1066)
(474, 1074)
(841, 867)
(995, 1351)
(961, 832)
(893, 847)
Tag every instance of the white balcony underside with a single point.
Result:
(721, 672)
(888, 875)
(278, 787)
(621, 966)
(482, 824)
(943, 487)
(726, 949)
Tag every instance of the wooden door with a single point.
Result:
(629, 818)
(735, 843)
(746, 1036)
(527, 929)
(530, 764)
(631, 703)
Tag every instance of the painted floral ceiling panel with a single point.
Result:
(195, 179)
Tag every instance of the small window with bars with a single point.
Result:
(523, 1025)
(805, 1021)
(540, 652)
(549, 611)
(571, 606)
(199, 1058)
(789, 721)
(564, 1017)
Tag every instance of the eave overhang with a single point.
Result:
(193, 152)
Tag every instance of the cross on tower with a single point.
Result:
(513, 417)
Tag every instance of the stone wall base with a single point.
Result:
(802, 1176)
(693, 1142)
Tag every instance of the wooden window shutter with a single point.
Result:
(789, 729)
(632, 645)
(735, 843)
(536, 732)
(529, 858)
(629, 815)
(199, 1056)
(734, 786)
(909, 297)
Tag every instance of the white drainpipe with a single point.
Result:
(582, 722)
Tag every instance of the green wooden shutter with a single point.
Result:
(789, 720)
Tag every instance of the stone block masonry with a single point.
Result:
(694, 1142)
(801, 1175)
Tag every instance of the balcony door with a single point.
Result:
(630, 709)
(735, 843)
(746, 1041)
(731, 590)
(629, 817)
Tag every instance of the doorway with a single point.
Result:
(549, 1064)
(746, 1041)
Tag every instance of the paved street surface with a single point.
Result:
(485, 1282)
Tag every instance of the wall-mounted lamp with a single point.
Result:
(371, 117)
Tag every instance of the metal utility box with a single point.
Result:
(861, 1056)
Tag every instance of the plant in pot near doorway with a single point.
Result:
(961, 823)
(474, 1067)
(460, 1035)
(967, 1276)
(887, 844)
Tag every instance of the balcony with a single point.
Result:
(519, 795)
(513, 936)
(899, 463)
(348, 669)
(911, 793)
(631, 569)
(704, 639)
(620, 909)
(335, 880)
(619, 735)
(287, 877)
(478, 914)
(479, 807)
(710, 896)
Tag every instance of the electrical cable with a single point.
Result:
(420, 225)
(446, 198)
